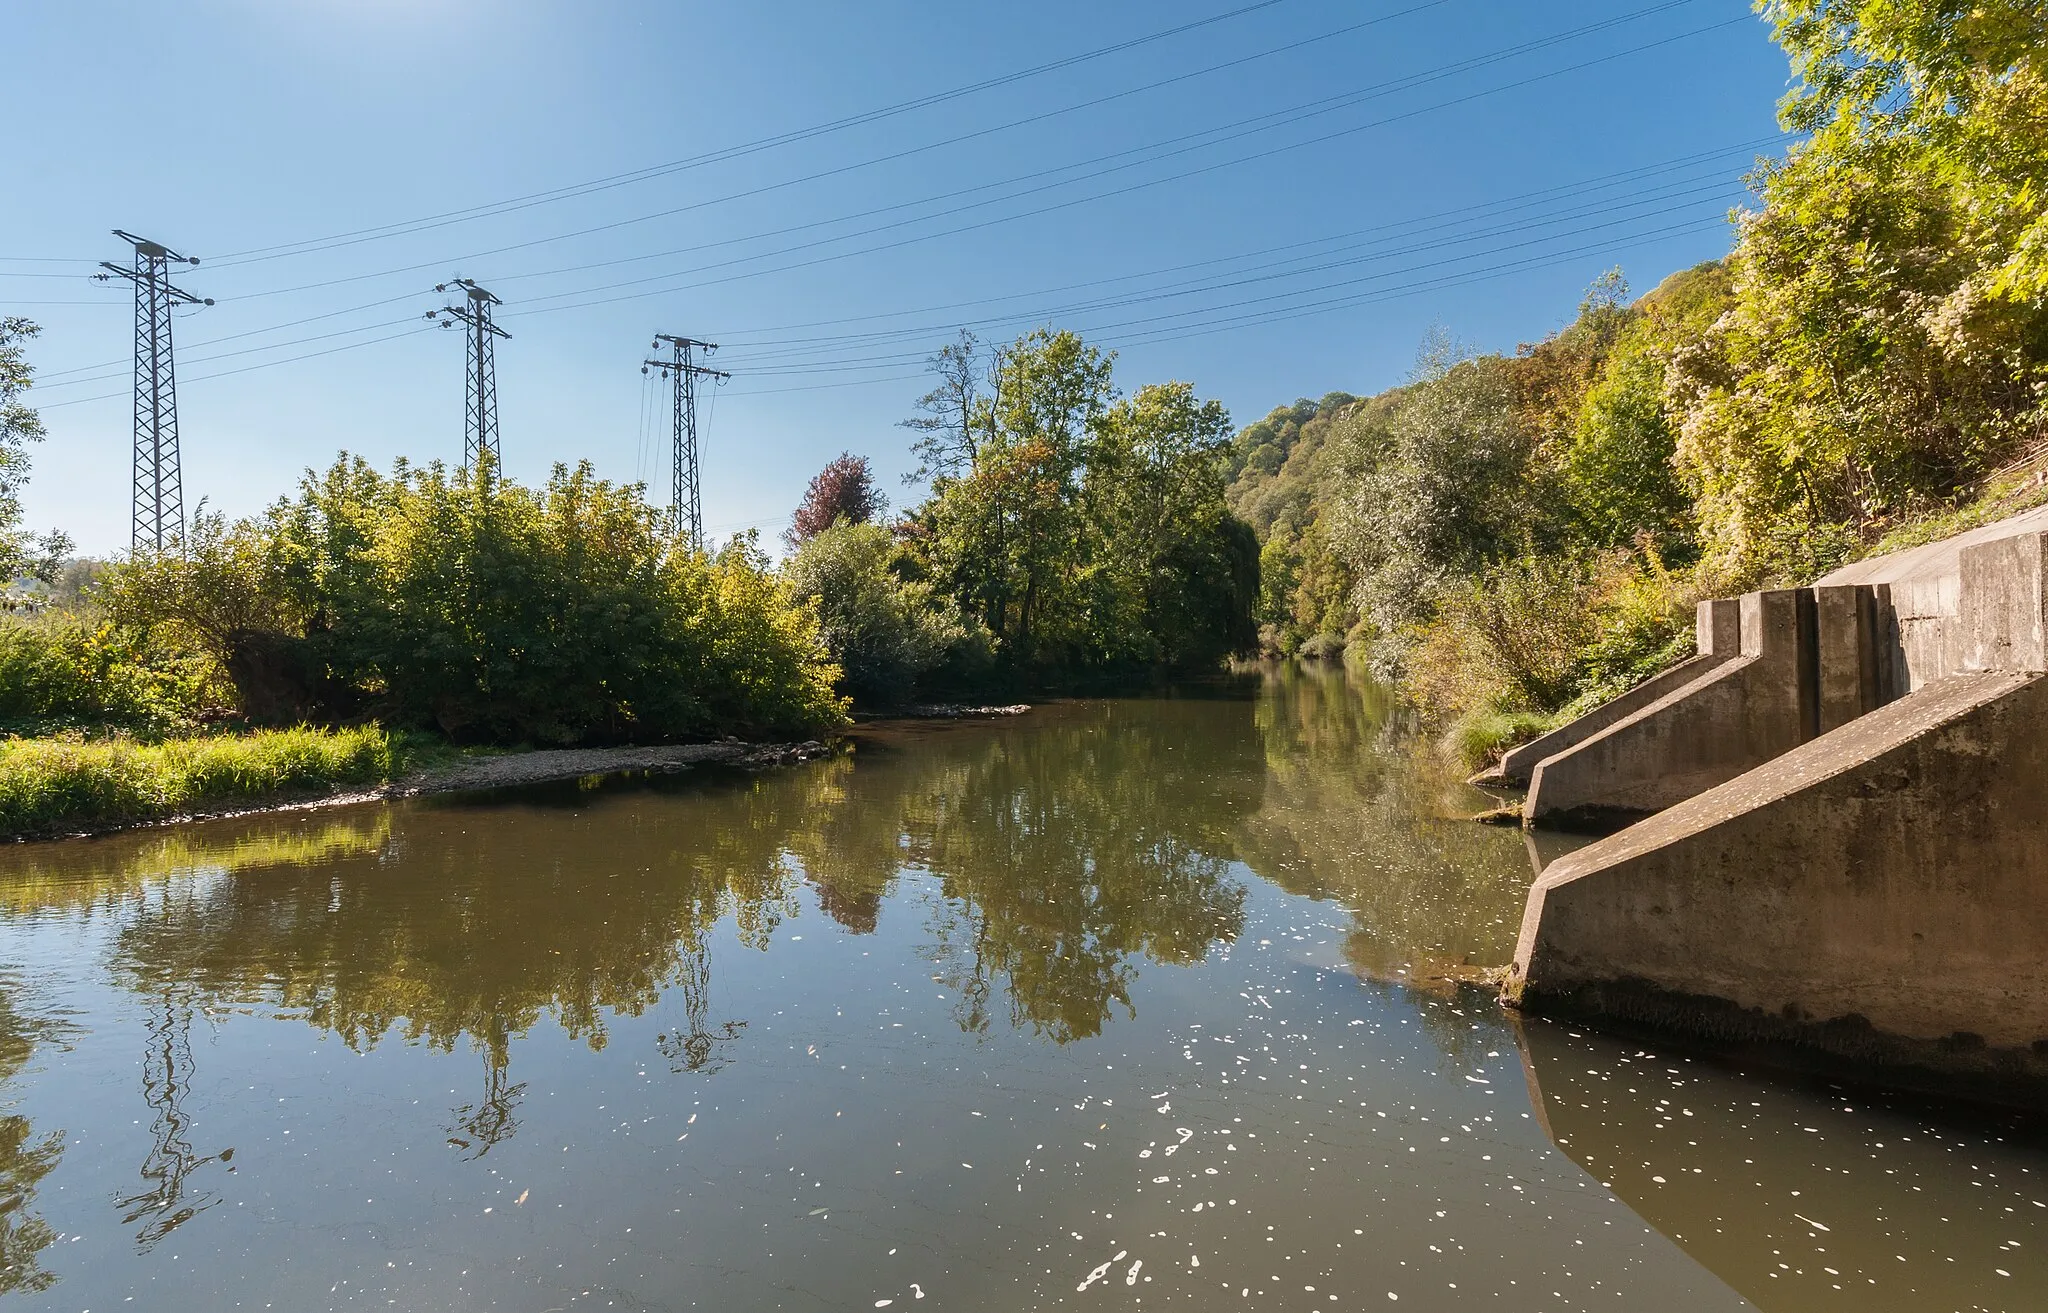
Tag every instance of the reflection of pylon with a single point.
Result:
(480, 434)
(166, 1080)
(697, 1048)
(686, 504)
(489, 1121)
(158, 519)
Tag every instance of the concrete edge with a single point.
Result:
(1520, 763)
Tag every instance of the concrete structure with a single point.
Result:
(1918, 595)
(1735, 715)
(1875, 892)
(1717, 640)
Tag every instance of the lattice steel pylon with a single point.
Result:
(481, 387)
(686, 504)
(158, 520)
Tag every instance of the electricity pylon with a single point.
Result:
(686, 489)
(159, 515)
(481, 389)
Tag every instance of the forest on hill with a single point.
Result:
(1515, 536)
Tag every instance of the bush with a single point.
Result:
(52, 785)
(1483, 735)
(488, 611)
(885, 633)
(77, 671)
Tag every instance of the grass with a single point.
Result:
(63, 785)
(1482, 735)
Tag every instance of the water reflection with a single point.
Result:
(1063, 855)
(1352, 811)
(973, 1010)
(26, 1156)
(170, 1196)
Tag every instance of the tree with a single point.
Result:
(1888, 341)
(954, 417)
(883, 632)
(1007, 540)
(1083, 530)
(1432, 489)
(19, 426)
(843, 490)
(1186, 570)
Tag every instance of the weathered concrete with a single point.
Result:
(1845, 654)
(1717, 639)
(1875, 893)
(1866, 635)
(1733, 717)
(1919, 599)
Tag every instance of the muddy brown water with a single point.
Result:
(1121, 1003)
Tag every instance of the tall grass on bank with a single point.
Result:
(50, 786)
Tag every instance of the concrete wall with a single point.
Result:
(1866, 635)
(1919, 602)
(1735, 716)
(1717, 640)
(1877, 893)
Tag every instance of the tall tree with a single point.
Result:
(1888, 341)
(20, 426)
(953, 417)
(843, 490)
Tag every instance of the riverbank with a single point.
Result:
(57, 789)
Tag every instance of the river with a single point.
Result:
(1129, 1002)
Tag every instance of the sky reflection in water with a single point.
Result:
(1136, 1002)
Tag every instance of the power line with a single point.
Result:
(1153, 151)
(733, 152)
(1059, 205)
(797, 348)
(70, 377)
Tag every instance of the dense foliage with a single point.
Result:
(492, 612)
(887, 634)
(1513, 535)
(19, 426)
(843, 490)
(1084, 530)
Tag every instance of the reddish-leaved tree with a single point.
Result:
(844, 489)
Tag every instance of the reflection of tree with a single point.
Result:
(167, 1201)
(469, 924)
(1352, 812)
(25, 1157)
(1067, 848)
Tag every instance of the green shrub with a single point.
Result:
(75, 671)
(488, 611)
(884, 632)
(56, 784)
(1483, 735)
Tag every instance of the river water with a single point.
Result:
(1140, 1002)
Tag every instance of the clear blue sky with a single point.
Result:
(1285, 225)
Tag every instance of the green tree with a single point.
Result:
(487, 610)
(1432, 490)
(882, 631)
(20, 426)
(1888, 343)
